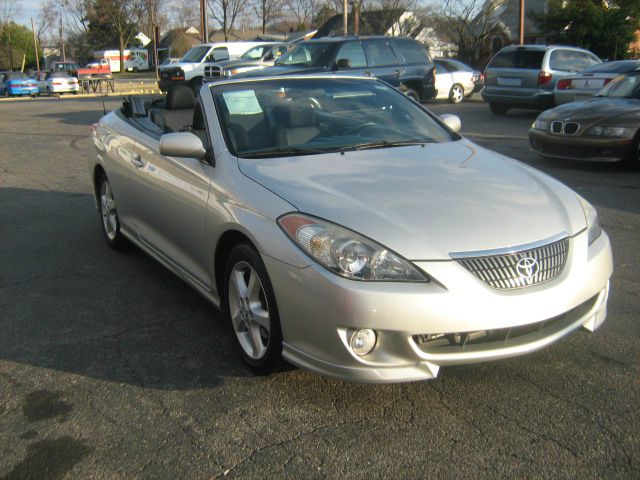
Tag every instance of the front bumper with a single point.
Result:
(319, 311)
(65, 88)
(589, 149)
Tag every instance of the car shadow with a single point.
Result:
(72, 304)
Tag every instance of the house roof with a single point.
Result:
(372, 22)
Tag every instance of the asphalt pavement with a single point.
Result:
(111, 367)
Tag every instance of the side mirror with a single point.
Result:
(451, 121)
(343, 63)
(182, 144)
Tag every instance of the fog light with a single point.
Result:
(362, 341)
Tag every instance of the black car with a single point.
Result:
(401, 62)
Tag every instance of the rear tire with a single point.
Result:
(456, 94)
(498, 108)
(109, 215)
(251, 310)
(412, 94)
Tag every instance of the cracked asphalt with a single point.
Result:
(111, 367)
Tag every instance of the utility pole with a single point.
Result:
(345, 28)
(35, 45)
(264, 17)
(521, 22)
(6, 26)
(64, 56)
(204, 29)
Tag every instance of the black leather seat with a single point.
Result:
(178, 110)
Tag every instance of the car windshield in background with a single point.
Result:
(307, 55)
(256, 53)
(621, 66)
(285, 117)
(527, 59)
(195, 54)
(627, 86)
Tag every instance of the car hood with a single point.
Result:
(425, 203)
(277, 70)
(593, 109)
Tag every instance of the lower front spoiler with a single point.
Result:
(590, 316)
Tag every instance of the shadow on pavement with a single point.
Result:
(70, 303)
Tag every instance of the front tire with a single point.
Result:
(252, 311)
(456, 94)
(109, 215)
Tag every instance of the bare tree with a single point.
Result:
(268, 11)
(400, 15)
(302, 11)
(468, 24)
(226, 12)
(124, 16)
(76, 15)
(183, 14)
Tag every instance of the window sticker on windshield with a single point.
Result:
(243, 102)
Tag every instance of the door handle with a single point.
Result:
(397, 73)
(137, 161)
(368, 74)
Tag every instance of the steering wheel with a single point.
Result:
(311, 102)
(360, 128)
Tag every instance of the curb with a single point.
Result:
(84, 95)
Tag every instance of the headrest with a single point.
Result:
(294, 116)
(180, 97)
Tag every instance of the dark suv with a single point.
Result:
(401, 62)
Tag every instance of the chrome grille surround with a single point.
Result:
(515, 269)
(212, 71)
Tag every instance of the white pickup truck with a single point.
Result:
(190, 70)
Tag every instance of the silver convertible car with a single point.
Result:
(344, 227)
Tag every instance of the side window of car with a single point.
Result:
(354, 52)
(380, 54)
(413, 52)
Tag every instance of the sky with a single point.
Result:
(29, 8)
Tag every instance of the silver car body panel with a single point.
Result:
(423, 203)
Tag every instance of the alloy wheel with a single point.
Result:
(249, 310)
(108, 211)
(457, 94)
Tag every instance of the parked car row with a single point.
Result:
(401, 62)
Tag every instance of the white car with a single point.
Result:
(591, 80)
(454, 79)
(51, 83)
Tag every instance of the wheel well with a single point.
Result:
(415, 85)
(227, 242)
(98, 171)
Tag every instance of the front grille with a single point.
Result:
(564, 128)
(519, 269)
(212, 71)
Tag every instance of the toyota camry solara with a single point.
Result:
(344, 227)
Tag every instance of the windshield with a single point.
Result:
(256, 53)
(627, 86)
(196, 54)
(307, 55)
(285, 117)
(621, 66)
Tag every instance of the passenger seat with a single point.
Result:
(296, 125)
(178, 111)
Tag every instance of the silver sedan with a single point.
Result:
(344, 227)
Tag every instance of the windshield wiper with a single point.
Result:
(385, 144)
(283, 151)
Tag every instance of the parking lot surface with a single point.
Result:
(111, 367)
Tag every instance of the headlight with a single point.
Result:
(347, 253)
(594, 230)
(539, 125)
(598, 131)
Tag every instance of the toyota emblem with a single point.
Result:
(527, 267)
